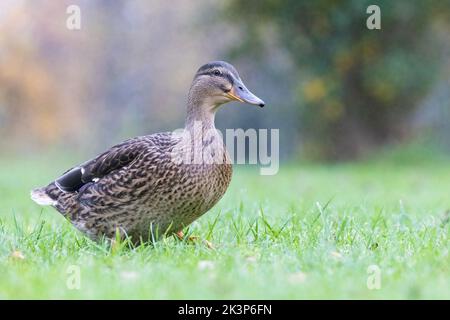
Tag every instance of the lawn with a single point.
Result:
(312, 231)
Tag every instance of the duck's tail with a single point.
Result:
(46, 196)
(42, 198)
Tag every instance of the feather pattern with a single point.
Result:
(139, 191)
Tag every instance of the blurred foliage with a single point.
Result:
(356, 87)
(334, 88)
(91, 88)
(24, 83)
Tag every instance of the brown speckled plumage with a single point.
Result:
(137, 188)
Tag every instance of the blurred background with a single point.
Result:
(336, 90)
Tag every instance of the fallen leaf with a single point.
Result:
(336, 255)
(205, 265)
(129, 275)
(298, 277)
(17, 255)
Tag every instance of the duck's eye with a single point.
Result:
(217, 72)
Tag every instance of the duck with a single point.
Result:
(151, 186)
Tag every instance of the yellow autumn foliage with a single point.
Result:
(314, 90)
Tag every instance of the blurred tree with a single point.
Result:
(28, 103)
(125, 73)
(356, 87)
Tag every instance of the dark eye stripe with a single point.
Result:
(229, 77)
(210, 72)
(204, 73)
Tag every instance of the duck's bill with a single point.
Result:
(242, 94)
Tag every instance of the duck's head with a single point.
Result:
(218, 82)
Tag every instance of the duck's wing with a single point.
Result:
(115, 158)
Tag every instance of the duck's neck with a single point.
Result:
(204, 143)
(200, 113)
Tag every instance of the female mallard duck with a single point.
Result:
(158, 184)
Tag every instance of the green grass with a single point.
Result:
(311, 231)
